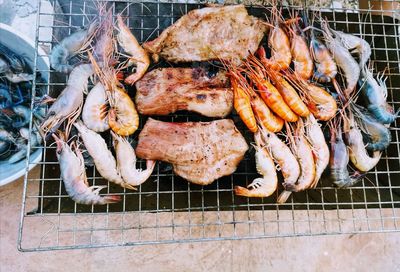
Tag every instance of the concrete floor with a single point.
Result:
(370, 252)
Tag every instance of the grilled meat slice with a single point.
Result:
(199, 151)
(227, 32)
(167, 90)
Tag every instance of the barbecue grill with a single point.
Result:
(168, 209)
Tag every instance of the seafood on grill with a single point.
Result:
(242, 104)
(289, 95)
(302, 149)
(374, 92)
(69, 103)
(339, 158)
(283, 156)
(319, 147)
(137, 55)
(325, 68)
(126, 162)
(301, 56)
(270, 94)
(73, 174)
(225, 32)
(200, 152)
(267, 185)
(355, 45)
(95, 109)
(278, 41)
(71, 45)
(167, 90)
(102, 156)
(349, 66)
(357, 152)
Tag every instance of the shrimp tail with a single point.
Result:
(111, 199)
(283, 197)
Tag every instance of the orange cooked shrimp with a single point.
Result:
(288, 93)
(122, 117)
(320, 103)
(271, 95)
(242, 105)
(301, 57)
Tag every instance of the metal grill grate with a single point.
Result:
(166, 209)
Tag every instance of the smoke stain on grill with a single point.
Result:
(166, 192)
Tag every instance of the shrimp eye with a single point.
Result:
(351, 127)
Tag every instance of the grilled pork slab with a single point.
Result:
(227, 32)
(167, 90)
(200, 152)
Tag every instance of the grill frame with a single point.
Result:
(205, 218)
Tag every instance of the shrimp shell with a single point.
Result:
(126, 162)
(267, 185)
(281, 55)
(94, 112)
(303, 63)
(325, 67)
(242, 105)
(72, 169)
(70, 101)
(123, 117)
(137, 55)
(319, 146)
(283, 156)
(357, 152)
(102, 157)
(70, 46)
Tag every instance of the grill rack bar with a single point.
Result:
(168, 210)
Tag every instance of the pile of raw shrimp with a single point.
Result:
(15, 101)
(315, 78)
(103, 49)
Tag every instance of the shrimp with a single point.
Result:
(357, 152)
(126, 162)
(70, 46)
(302, 150)
(242, 105)
(320, 103)
(271, 95)
(68, 104)
(325, 67)
(137, 55)
(301, 57)
(288, 93)
(355, 45)
(377, 136)
(102, 157)
(261, 111)
(343, 59)
(319, 146)
(122, 117)
(283, 156)
(267, 185)
(95, 109)
(72, 168)
(375, 94)
(339, 159)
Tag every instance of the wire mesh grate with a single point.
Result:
(167, 209)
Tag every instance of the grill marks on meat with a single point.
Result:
(167, 90)
(228, 33)
(200, 152)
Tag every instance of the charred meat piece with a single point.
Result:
(200, 152)
(167, 90)
(228, 33)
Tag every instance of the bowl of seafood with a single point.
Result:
(16, 78)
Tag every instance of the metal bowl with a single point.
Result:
(21, 44)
